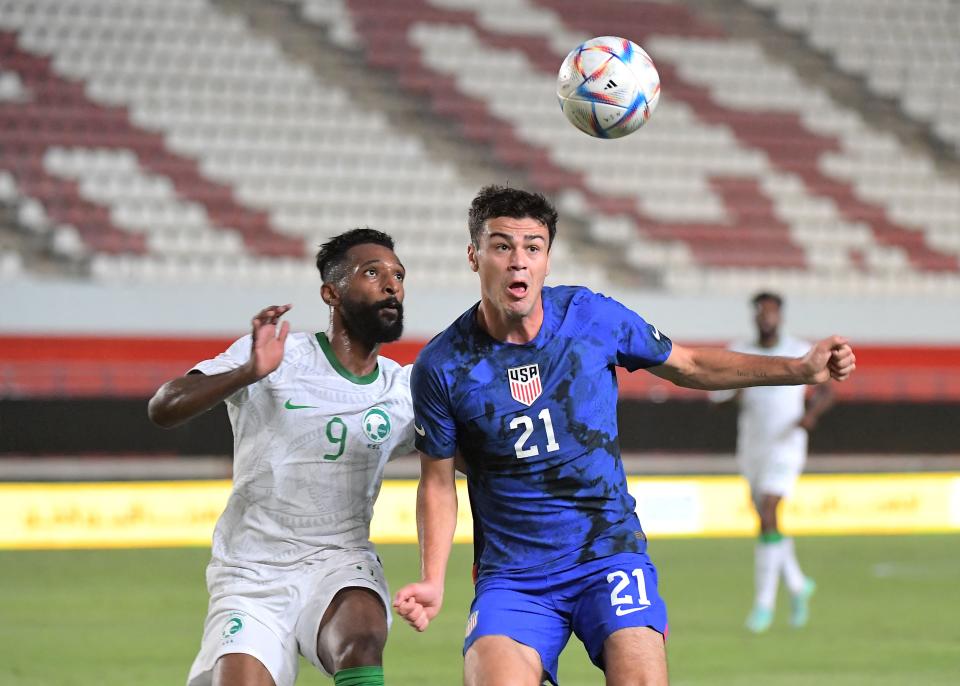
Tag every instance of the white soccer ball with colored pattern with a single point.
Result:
(608, 87)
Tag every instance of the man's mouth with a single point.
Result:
(517, 289)
(391, 307)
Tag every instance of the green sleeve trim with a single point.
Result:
(772, 537)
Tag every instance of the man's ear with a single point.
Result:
(330, 295)
(472, 257)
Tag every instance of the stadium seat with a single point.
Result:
(168, 128)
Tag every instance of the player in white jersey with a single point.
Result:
(771, 450)
(315, 418)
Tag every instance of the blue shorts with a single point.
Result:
(592, 599)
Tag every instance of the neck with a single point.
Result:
(357, 357)
(768, 340)
(510, 329)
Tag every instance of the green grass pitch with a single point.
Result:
(886, 612)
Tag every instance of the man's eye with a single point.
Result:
(371, 272)
(401, 277)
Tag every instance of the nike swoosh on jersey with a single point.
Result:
(420, 431)
(290, 406)
(656, 332)
(625, 611)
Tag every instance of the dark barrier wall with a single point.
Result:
(848, 428)
(120, 426)
(106, 427)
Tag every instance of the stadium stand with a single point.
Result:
(762, 180)
(176, 143)
(185, 133)
(907, 52)
(167, 141)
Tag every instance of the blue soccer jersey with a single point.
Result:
(537, 426)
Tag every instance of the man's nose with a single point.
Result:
(518, 260)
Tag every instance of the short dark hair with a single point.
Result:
(332, 254)
(767, 295)
(502, 201)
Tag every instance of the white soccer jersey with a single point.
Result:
(310, 444)
(769, 415)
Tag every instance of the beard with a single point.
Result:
(368, 323)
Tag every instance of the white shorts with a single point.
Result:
(773, 471)
(277, 620)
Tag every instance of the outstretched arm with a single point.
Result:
(185, 397)
(419, 602)
(714, 369)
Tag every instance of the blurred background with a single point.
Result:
(169, 167)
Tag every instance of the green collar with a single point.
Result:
(338, 366)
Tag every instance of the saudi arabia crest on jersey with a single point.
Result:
(376, 424)
(525, 383)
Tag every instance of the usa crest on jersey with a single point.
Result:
(525, 384)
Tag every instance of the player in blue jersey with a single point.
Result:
(522, 391)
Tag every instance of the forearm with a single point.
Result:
(183, 398)
(436, 523)
(715, 369)
(823, 399)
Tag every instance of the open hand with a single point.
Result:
(266, 353)
(418, 603)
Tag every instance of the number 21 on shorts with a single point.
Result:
(621, 595)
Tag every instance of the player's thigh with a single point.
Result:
(775, 472)
(353, 630)
(524, 628)
(780, 475)
(240, 669)
(613, 594)
(501, 661)
(325, 632)
(238, 647)
(635, 657)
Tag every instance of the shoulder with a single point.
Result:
(434, 353)
(299, 344)
(396, 380)
(241, 345)
(574, 297)
(565, 295)
(434, 364)
(603, 310)
(394, 371)
(579, 303)
(443, 347)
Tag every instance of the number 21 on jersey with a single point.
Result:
(526, 423)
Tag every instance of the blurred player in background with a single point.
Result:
(771, 450)
(315, 418)
(523, 387)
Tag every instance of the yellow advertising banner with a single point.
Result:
(394, 515)
(821, 504)
(110, 515)
(179, 513)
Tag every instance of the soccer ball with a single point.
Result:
(608, 87)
